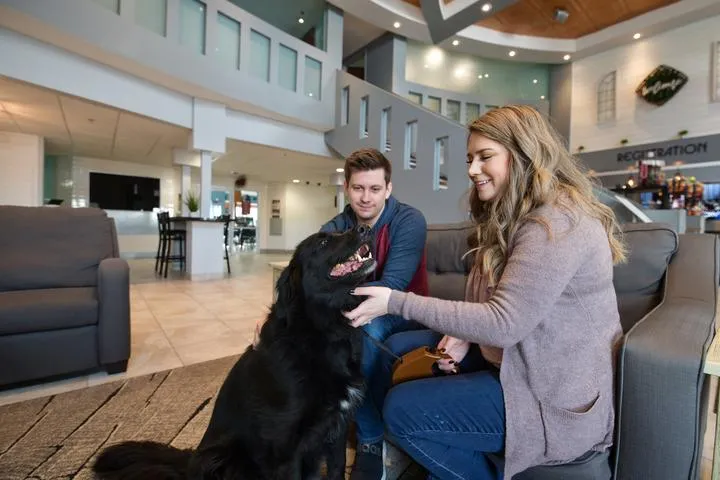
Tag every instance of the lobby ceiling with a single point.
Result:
(72, 126)
(77, 127)
(535, 17)
(526, 30)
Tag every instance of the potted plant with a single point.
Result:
(192, 201)
(682, 133)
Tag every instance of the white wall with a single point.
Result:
(303, 209)
(687, 49)
(22, 160)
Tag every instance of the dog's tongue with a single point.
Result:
(344, 268)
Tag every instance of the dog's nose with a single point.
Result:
(363, 229)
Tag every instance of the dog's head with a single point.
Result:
(323, 270)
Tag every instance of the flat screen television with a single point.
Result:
(123, 192)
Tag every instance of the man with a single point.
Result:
(399, 231)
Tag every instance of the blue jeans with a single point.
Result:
(375, 363)
(448, 423)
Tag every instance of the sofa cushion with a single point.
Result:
(639, 281)
(50, 309)
(52, 247)
(446, 245)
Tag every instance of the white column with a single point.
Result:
(338, 179)
(206, 162)
(186, 187)
(340, 198)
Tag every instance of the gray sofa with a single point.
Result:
(667, 302)
(64, 294)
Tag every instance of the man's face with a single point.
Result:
(367, 192)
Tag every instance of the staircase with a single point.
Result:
(427, 150)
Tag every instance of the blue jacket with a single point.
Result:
(400, 235)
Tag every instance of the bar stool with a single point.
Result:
(168, 235)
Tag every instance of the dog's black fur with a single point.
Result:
(286, 403)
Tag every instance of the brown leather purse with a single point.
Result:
(416, 364)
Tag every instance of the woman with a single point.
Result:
(540, 304)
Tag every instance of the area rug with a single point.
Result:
(58, 437)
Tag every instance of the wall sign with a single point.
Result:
(661, 85)
(669, 151)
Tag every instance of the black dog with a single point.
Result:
(285, 405)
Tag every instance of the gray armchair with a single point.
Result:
(64, 294)
(667, 302)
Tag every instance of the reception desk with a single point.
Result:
(205, 249)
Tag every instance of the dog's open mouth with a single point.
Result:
(361, 258)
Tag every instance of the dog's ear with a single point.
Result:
(289, 291)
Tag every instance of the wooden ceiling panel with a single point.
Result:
(535, 17)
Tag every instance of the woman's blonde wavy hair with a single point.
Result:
(542, 171)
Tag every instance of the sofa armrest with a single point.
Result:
(114, 314)
(662, 397)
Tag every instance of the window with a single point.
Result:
(440, 179)
(472, 112)
(415, 97)
(433, 104)
(385, 130)
(192, 25)
(112, 5)
(287, 68)
(453, 110)
(259, 56)
(151, 14)
(364, 116)
(716, 72)
(228, 41)
(313, 78)
(345, 106)
(411, 137)
(606, 99)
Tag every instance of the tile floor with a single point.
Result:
(176, 322)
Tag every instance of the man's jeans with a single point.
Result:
(375, 364)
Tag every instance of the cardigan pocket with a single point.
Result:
(568, 433)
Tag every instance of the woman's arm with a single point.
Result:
(537, 272)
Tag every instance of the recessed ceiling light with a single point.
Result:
(296, 180)
(487, 75)
(480, 76)
(542, 97)
(301, 18)
(397, 24)
(339, 170)
(456, 43)
(512, 53)
(534, 80)
(637, 35)
(310, 94)
(486, 7)
(566, 57)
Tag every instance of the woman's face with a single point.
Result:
(488, 166)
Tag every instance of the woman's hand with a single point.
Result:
(374, 306)
(454, 347)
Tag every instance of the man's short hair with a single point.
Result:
(364, 160)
